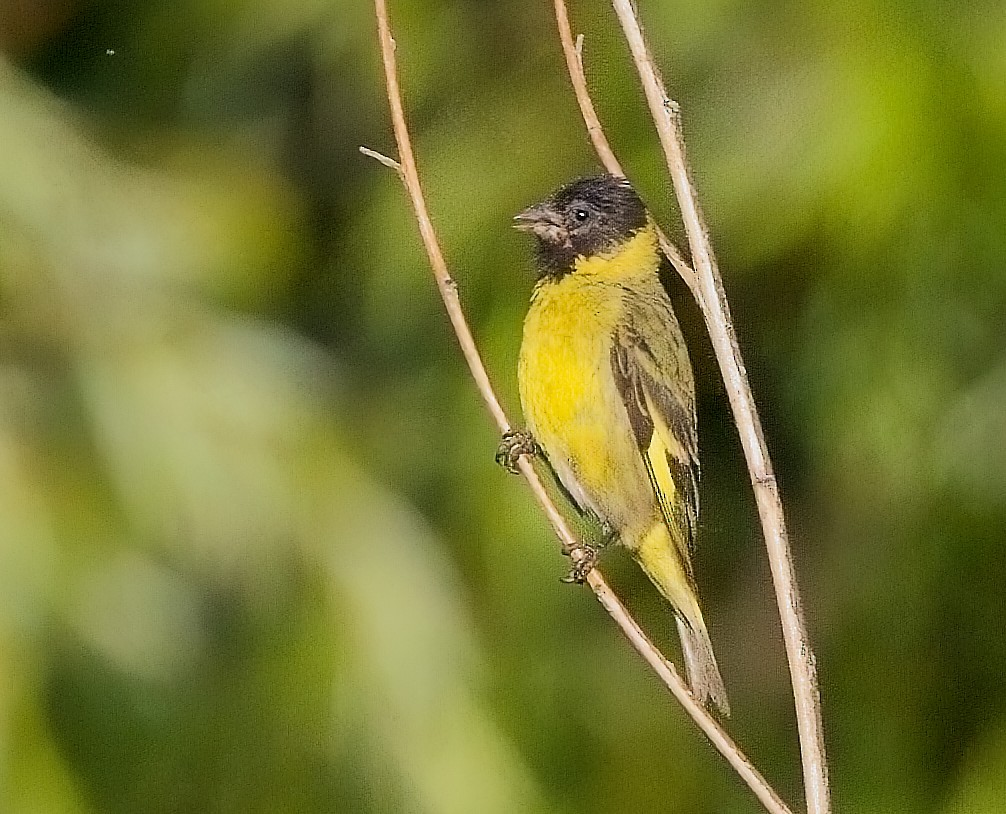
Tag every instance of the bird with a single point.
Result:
(608, 395)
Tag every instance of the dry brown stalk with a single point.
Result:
(406, 169)
(573, 52)
(707, 286)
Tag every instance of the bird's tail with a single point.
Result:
(666, 567)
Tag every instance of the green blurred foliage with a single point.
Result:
(255, 555)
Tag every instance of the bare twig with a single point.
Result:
(712, 299)
(717, 314)
(448, 290)
(573, 52)
(406, 169)
(574, 63)
(381, 158)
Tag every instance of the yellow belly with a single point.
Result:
(572, 405)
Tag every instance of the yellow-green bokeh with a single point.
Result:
(254, 553)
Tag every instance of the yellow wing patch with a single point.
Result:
(673, 500)
(663, 422)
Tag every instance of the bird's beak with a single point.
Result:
(535, 216)
(541, 219)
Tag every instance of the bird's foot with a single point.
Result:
(609, 535)
(515, 443)
(583, 559)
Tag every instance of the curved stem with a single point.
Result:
(712, 299)
(573, 52)
(406, 168)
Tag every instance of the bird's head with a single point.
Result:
(587, 217)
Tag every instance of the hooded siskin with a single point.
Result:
(607, 391)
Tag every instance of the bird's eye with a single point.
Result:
(581, 215)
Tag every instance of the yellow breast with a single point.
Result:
(567, 341)
(568, 330)
(567, 388)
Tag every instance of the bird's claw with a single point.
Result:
(583, 559)
(515, 443)
(609, 535)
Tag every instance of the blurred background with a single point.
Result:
(255, 555)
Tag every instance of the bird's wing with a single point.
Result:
(655, 382)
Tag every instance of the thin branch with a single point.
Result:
(406, 169)
(665, 670)
(448, 290)
(574, 63)
(381, 158)
(802, 665)
(573, 52)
